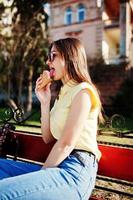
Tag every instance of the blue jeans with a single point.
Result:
(72, 179)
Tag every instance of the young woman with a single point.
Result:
(70, 169)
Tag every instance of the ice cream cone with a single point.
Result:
(46, 78)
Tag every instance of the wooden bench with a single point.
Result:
(116, 162)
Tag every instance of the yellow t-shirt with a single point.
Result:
(59, 113)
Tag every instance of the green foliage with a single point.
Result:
(23, 51)
(123, 101)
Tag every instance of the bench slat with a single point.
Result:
(33, 147)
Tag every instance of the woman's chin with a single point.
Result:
(56, 78)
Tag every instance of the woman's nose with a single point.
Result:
(47, 62)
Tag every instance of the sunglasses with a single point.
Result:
(51, 56)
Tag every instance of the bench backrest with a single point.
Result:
(116, 162)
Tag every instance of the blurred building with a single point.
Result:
(105, 27)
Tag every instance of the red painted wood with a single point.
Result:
(116, 162)
(95, 198)
(32, 147)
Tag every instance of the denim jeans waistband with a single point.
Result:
(78, 154)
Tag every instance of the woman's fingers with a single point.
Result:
(48, 86)
(39, 81)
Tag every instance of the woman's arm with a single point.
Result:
(45, 123)
(44, 96)
(78, 114)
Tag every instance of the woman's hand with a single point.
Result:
(43, 94)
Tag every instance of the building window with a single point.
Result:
(81, 13)
(68, 16)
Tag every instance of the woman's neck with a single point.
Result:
(65, 80)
